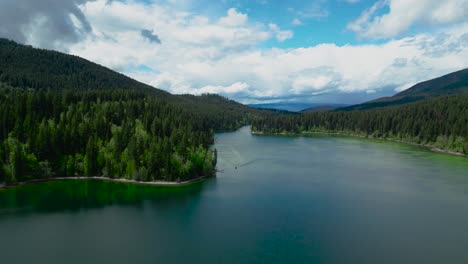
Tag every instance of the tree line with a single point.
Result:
(62, 115)
(440, 122)
(120, 133)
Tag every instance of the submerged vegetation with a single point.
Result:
(74, 195)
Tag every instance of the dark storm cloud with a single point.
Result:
(150, 36)
(43, 23)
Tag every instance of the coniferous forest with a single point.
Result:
(441, 122)
(119, 133)
(61, 115)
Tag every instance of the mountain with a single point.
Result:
(432, 113)
(453, 83)
(439, 122)
(286, 106)
(39, 69)
(28, 67)
(322, 108)
(62, 115)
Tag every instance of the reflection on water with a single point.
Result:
(76, 195)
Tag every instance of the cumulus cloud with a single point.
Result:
(200, 54)
(281, 35)
(235, 88)
(47, 23)
(187, 37)
(403, 14)
(233, 18)
(150, 36)
(314, 81)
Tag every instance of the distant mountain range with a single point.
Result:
(323, 108)
(298, 107)
(287, 106)
(453, 83)
(433, 113)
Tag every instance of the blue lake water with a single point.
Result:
(275, 200)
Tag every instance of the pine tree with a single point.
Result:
(90, 158)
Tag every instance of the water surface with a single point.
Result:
(275, 200)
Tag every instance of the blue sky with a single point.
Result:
(320, 21)
(255, 51)
(313, 22)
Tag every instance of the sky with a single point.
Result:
(255, 51)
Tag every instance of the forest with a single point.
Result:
(61, 115)
(113, 133)
(441, 122)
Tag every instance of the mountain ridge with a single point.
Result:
(449, 84)
(27, 67)
(65, 116)
(64, 71)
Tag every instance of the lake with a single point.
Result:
(275, 200)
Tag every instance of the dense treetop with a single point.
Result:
(61, 115)
(440, 122)
(28, 67)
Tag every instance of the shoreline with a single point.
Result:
(153, 183)
(430, 147)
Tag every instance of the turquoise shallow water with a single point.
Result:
(275, 200)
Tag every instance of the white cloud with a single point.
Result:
(117, 42)
(405, 13)
(198, 55)
(281, 35)
(233, 18)
(304, 84)
(296, 22)
(48, 24)
(235, 88)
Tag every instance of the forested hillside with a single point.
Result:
(30, 68)
(114, 133)
(61, 115)
(26, 67)
(440, 122)
(453, 83)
